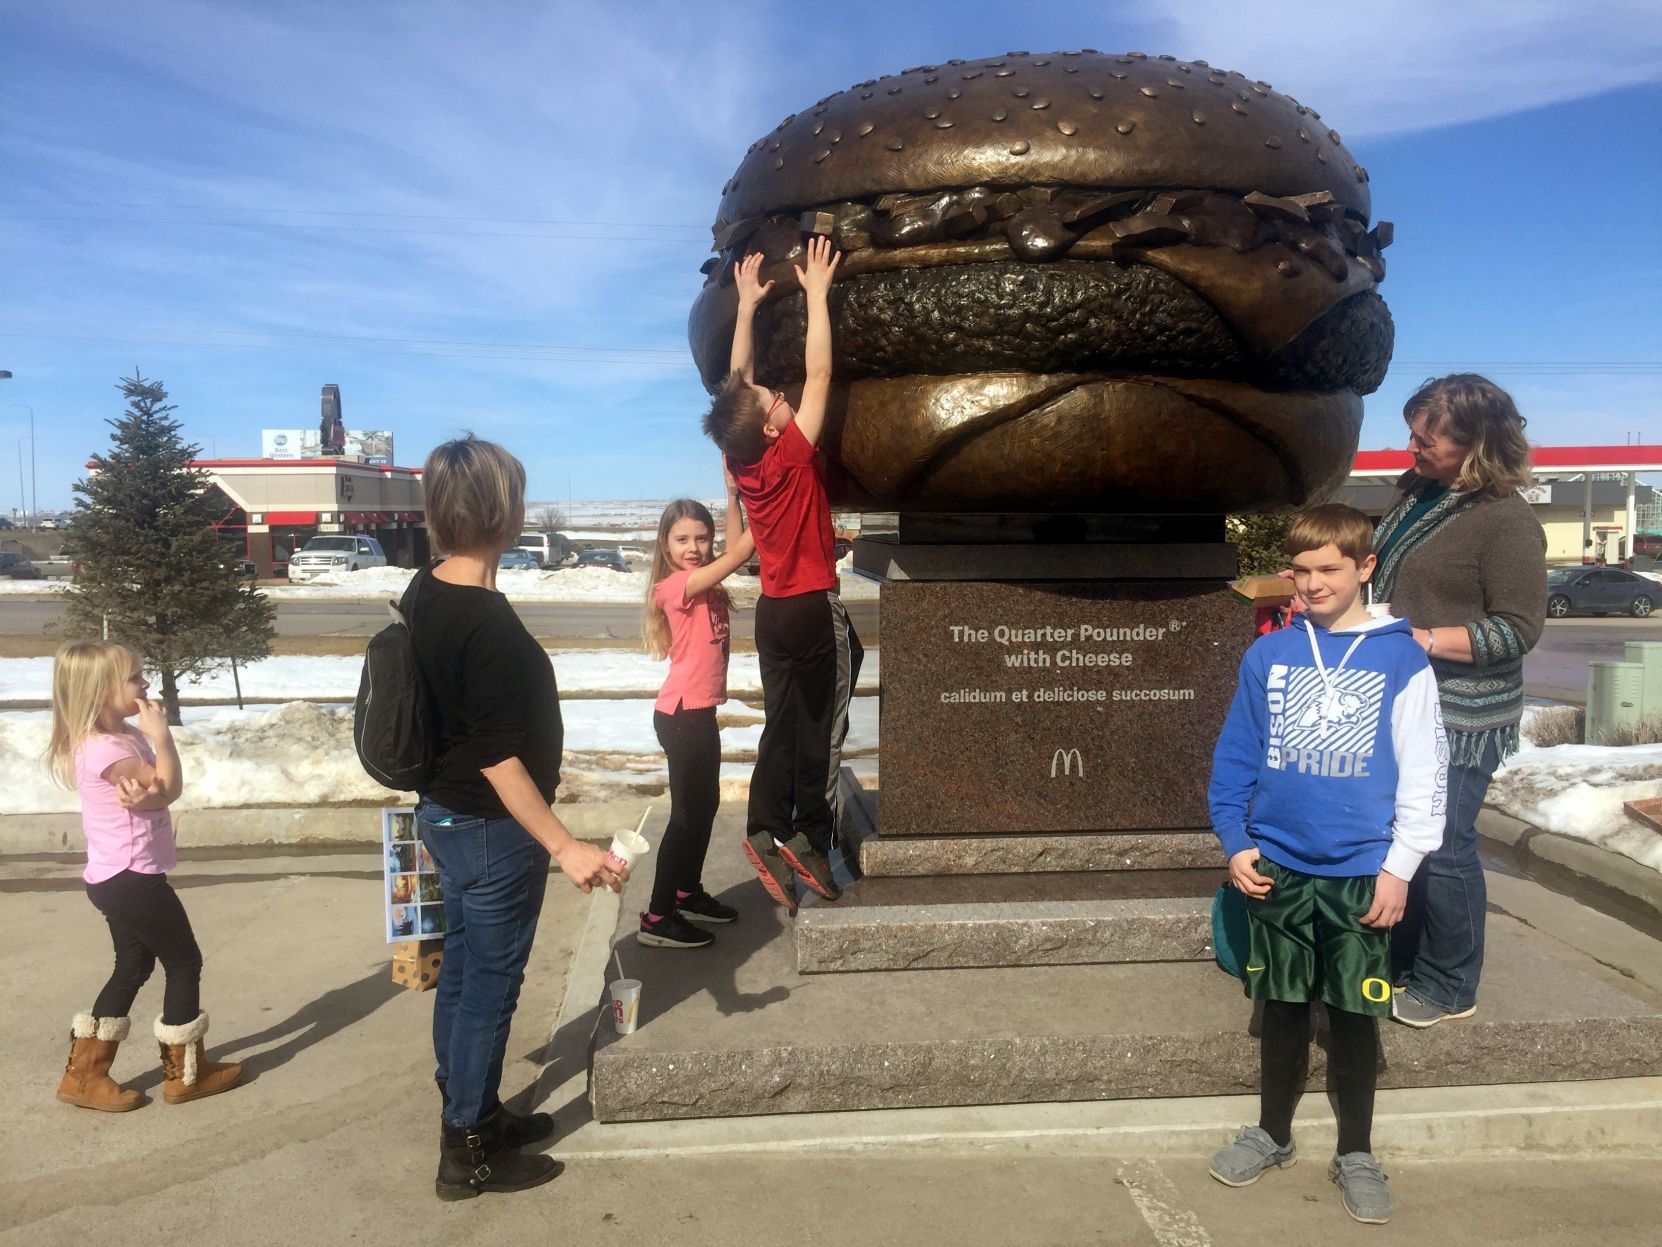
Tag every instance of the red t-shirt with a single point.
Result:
(790, 518)
(698, 637)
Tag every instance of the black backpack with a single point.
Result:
(394, 726)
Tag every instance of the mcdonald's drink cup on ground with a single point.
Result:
(627, 847)
(626, 1005)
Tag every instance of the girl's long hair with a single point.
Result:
(654, 624)
(86, 677)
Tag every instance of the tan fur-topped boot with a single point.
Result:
(190, 1075)
(86, 1078)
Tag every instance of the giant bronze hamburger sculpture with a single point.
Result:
(1071, 282)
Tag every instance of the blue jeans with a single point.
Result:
(1438, 946)
(493, 874)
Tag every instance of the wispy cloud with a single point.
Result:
(1394, 66)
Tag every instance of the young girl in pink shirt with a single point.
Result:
(686, 621)
(127, 778)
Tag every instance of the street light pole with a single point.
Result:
(22, 497)
(32, 500)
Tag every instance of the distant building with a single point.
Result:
(277, 505)
(1588, 498)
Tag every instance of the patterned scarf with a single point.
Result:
(1480, 703)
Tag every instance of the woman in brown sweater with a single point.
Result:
(1463, 559)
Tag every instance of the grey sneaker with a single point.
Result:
(774, 871)
(811, 866)
(1410, 1010)
(1362, 1184)
(1243, 1162)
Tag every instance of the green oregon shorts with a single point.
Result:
(1308, 942)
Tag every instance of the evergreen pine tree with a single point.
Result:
(1257, 540)
(154, 574)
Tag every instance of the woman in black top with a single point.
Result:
(485, 816)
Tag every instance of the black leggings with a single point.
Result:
(1352, 1065)
(147, 924)
(692, 743)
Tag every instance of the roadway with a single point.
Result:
(1557, 669)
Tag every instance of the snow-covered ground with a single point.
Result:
(586, 584)
(301, 753)
(1578, 791)
(290, 677)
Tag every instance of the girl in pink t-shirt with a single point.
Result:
(686, 621)
(127, 778)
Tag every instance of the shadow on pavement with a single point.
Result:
(316, 1020)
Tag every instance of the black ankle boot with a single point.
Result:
(517, 1131)
(477, 1159)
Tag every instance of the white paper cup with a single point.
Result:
(627, 848)
(1379, 610)
(626, 1005)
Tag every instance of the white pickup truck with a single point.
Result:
(343, 552)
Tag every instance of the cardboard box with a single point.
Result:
(1263, 590)
(416, 963)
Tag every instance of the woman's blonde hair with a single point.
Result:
(475, 496)
(86, 677)
(654, 624)
(1474, 412)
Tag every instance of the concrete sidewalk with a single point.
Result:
(333, 1139)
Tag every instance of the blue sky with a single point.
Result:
(492, 215)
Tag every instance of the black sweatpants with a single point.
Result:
(692, 743)
(810, 658)
(147, 924)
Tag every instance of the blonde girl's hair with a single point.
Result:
(1474, 412)
(654, 624)
(475, 496)
(86, 677)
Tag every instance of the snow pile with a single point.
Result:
(8, 586)
(297, 754)
(1578, 791)
(301, 754)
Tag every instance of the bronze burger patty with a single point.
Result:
(1066, 317)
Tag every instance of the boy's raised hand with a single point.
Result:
(1243, 873)
(1390, 898)
(815, 275)
(746, 276)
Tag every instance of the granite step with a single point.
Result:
(951, 922)
(735, 1030)
(1063, 852)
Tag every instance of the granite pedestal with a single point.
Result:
(1076, 706)
(736, 1030)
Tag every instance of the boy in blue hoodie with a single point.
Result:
(1328, 787)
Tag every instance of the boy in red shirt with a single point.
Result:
(807, 649)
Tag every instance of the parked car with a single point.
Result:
(16, 567)
(602, 558)
(517, 561)
(279, 564)
(1600, 591)
(342, 552)
(549, 549)
(49, 524)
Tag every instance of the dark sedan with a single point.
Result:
(1600, 591)
(16, 567)
(602, 558)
